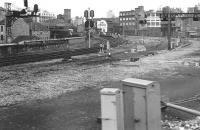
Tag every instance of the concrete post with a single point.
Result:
(111, 109)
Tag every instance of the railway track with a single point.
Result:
(33, 57)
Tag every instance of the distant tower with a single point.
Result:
(67, 15)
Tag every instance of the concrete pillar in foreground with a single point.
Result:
(141, 104)
(111, 111)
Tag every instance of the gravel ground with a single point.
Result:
(43, 80)
(46, 80)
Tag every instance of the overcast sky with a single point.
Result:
(101, 7)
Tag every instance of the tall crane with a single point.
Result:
(13, 14)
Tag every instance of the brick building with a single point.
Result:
(66, 16)
(27, 28)
(130, 21)
(21, 27)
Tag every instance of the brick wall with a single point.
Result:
(20, 28)
(43, 35)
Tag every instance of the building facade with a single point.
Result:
(21, 27)
(40, 31)
(130, 21)
(153, 19)
(44, 16)
(153, 24)
(67, 15)
(2, 31)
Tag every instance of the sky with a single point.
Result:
(101, 7)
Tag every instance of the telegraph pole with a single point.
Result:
(169, 30)
(89, 28)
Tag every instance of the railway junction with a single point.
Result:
(60, 94)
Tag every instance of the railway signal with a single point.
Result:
(26, 3)
(89, 23)
(12, 15)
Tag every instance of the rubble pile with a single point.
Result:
(182, 125)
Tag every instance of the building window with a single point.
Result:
(1, 28)
(153, 23)
(157, 24)
(1, 37)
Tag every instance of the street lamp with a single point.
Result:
(89, 15)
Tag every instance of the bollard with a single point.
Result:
(111, 111)
(141, 104)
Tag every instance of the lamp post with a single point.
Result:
(89, 14)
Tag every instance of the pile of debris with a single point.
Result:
(182, 125)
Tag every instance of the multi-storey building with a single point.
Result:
(130, 21)
(153, 19)
(44, 16)
(66, 16)
(153, 23)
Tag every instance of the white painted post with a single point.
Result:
(111, 109)
(141, 104)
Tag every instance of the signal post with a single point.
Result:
(89, 15)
